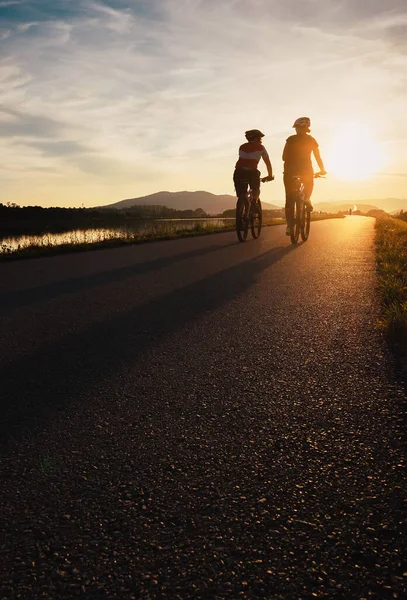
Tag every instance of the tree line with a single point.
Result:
(20, 220)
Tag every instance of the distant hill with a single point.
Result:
(389, 205)
(210, 203)
(215, 204)
(334, 207)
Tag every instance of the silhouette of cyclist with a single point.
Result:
(246, 171)
(297, 161)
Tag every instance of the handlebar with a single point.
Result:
(318, 175)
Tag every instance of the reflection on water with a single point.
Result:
(88, 236)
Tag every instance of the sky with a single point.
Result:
(111, 99)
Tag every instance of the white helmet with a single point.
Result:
(302, 122)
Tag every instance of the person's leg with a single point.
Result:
(241, 181)
(255, 183)
(289, 203)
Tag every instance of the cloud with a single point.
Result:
(170, 85)
(118, 21)
(14, 124)
(6, 3)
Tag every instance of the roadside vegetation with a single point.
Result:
(34, 220)
(45, 245)
(316, 216)
(391, 256)
(82, 229)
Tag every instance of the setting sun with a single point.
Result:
(355, 154)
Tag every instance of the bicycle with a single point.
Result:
(301, 223)
(249, 213)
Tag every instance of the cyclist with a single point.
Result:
(297, 161)
(246, 171)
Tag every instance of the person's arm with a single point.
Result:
(267, 161)
(319, 161)
(285, 152)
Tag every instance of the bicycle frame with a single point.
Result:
(301, 216)
(248, 214)
(302, 212)
(298, 185)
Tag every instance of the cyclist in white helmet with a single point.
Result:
(297, 161)
(246, 171)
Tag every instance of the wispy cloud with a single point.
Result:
(6, 3)
(17, 124)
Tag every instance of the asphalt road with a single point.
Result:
(201, 418)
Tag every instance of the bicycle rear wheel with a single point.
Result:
(242, 223)
(296, 226)
(256, 219)
(305, 223)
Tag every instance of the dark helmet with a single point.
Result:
(253, 134)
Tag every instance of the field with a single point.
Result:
(391, 257)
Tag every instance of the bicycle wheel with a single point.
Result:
(296, 226)
(305, 223)
(256, 219)
(242, 223)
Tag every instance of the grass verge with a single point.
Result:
(45, 247)
(391, 258)
(37, 250)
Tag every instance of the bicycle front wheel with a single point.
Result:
(296, 226)
(256, 219)
(242, 223)
(305, 223)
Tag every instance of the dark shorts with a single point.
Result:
(242, 178)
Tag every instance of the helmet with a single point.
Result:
(302, 122)
(253, 134)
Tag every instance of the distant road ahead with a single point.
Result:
(201, 418)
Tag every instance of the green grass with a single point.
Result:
(391, 258)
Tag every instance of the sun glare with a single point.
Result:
(355, 154)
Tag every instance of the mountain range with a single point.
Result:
(210, 203)
(216, 204)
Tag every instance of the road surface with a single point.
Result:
(201, 418)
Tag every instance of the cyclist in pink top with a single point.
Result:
(246, 171)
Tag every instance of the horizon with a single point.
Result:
(111, 99)
(394, 204)
(279, 203)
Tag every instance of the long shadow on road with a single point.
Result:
(26, 297)
(42, 382)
